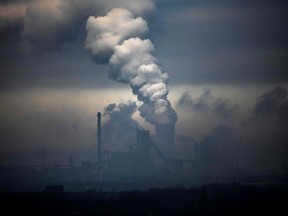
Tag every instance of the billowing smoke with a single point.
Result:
(121, 114)
(48, 24)
(117, 39)
(207, 103)
(104, 33)
(120, 127)
(273, 106)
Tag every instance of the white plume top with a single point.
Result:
(117, 39)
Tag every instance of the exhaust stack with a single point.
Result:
(99, 144)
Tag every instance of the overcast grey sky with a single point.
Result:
(224, 58)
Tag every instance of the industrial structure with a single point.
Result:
(154, 157)
(151, 161)
(164, 137)
(99, 144)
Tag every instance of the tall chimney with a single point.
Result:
(99, 145)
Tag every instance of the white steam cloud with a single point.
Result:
(117, 39)
(104, 33)
(47, 24)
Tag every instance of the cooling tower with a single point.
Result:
(165, 137)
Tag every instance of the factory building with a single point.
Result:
(164, 138)
(133, 164)
(150, 160)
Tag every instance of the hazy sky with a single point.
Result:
(226, 59)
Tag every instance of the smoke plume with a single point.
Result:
(120, 127)
(207, 103)
(117, 39)
(48, 24)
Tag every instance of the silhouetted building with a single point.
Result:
(164, 137)
(136, 163)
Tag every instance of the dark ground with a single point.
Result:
(214, 199)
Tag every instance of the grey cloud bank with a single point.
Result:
(228, 42)
(207, 103)
(47, 24)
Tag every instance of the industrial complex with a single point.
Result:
(152, 161)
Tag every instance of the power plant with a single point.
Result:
(137, 163)
(150, 161)
(154, 157)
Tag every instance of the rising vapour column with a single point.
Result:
(99, 145)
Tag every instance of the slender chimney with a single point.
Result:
(99, 145)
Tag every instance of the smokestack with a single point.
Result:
(99, 145)
(165, 137)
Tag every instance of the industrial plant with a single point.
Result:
(152, 161)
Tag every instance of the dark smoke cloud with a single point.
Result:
(120, 130)
(200, 104)
(223, 108)
(267, 126)
(260, 145)
(273, 105)
(271, 111)
(207, 103)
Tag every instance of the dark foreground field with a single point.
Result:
(207, 200)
